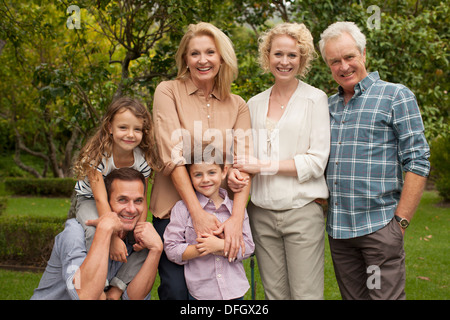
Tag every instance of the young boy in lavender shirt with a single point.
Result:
(209, 273)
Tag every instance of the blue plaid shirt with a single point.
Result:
(374, 137)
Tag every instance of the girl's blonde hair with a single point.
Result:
(229, 69)
(101, 143)
(300, 34)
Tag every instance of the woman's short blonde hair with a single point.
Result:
(229, 69)
(300, 34)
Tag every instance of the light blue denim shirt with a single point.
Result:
(375, 137)
(69, 252)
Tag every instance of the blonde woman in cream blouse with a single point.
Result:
(291, 135)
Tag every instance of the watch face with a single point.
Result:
(404, 223)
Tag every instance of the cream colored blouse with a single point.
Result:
(302, 134)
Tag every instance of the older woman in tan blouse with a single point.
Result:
(195, 114)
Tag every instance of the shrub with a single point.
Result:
(58, 187)
(440, 160)
(28, 240)
(3, 204)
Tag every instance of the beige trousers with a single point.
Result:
(289, 247)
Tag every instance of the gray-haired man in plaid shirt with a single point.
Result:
(377, 134)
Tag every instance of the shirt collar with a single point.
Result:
(364, 84)
(222, 192)
(192, 88)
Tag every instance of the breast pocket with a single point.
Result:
(371, 126)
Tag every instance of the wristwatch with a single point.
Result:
(402, 222)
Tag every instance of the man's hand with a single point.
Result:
(118, 249)
(108, 221)
(147, 237)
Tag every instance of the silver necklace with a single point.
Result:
(282, 106)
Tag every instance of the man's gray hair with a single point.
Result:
(336, 29)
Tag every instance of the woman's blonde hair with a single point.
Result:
(100, 144)
(229, 69)
(300, 34)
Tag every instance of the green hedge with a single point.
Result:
(58, 187)
(3, 204)
(28, 240)
(440, 160)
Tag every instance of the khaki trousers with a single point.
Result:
(289, 247)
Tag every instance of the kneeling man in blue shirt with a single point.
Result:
(74, 273)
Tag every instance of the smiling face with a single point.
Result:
(126, 130)
(127, 200)
(206, 178)
(284, 58)
(346, 62)
(203, 60)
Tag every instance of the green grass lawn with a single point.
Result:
(426, 246)
(42, 207)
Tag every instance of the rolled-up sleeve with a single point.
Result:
(167, 124)
(243, 138)
(312, 164)
(413, 149)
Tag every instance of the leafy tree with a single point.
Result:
(68, 77)
(57, 82)
(410, 46)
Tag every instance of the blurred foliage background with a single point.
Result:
(61, 63)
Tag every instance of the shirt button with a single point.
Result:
(337, 163)
(209, 116)
(219, 275)
(217, 259)
(208, 105)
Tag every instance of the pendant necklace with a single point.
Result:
(282, 106)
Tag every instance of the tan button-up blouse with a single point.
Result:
(187, 122)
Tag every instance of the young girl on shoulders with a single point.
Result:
(125, 138)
